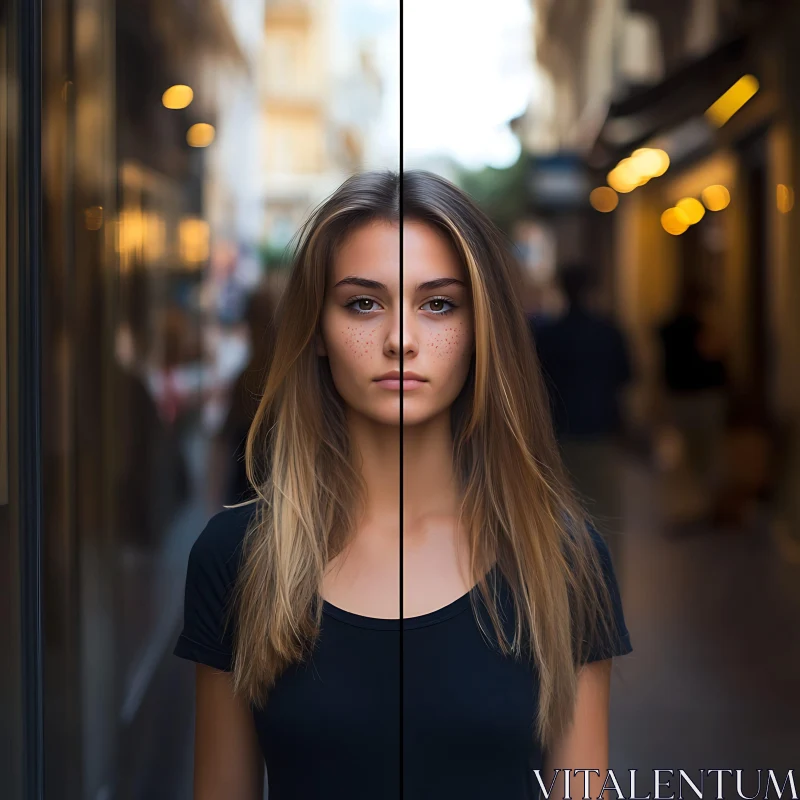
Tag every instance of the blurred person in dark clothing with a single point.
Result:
(585, 363)
(152, 474)
(245, 397)
(694, 377)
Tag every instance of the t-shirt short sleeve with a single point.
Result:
(207, 635)
(619, 644)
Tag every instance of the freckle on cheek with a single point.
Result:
(449, 342)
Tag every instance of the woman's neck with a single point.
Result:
(428, 487)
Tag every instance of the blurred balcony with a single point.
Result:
(288, 12)
(299, 95)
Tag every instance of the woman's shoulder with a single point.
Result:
(601, 546)
(210, 579)
(219, 545)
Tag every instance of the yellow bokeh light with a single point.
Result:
(604, 199)
(200, 135)
(650, 162)
(693, 209)
(178, 96)
(719, 112)
(194, 240)
(785, 198)
(716, 197)
(636, 170)
(674, 221)
(663, 165)
(622, 178)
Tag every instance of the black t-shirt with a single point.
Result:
(331, 727)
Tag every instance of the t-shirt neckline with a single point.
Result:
(393, 624)
(449, 611)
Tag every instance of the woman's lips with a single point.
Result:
(394, 384)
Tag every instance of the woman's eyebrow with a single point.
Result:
(439, 283)
(427, 286)
(364, 283)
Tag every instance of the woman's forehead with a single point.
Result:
(426, 250)
(373, 251)
(370, 251)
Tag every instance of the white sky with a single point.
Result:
(377, 20)
(467, 70)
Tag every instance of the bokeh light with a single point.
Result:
(604, 199)
(636, 170)
(178, 96)
(785, 198)
(730, 102)
(200, 135)
(651, 162)
(716, 197)
(623, 178)
(674, 221)
(693, 209)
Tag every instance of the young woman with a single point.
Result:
(498, 663)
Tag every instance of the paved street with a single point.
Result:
(714, 679)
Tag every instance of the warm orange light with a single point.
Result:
(636, 170)
(730, 102)
(693, 209)
(650, 162)
(200, 135)
(604, 199)
(785, 198)
(663, 166)
(140, 235)
(716, 197)
(93, 218)
(674, 221)
(194, 240)
(623, 178)
(178, 96)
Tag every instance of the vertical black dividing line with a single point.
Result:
(28, 252)
(402, 356)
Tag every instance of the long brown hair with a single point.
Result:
(517, 505)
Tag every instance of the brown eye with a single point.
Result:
(362, 305)
(439, 306)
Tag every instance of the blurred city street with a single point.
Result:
(714, 618)
(158, 158)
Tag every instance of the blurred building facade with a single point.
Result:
(618, 76)
(321, 96)
(115, 203)
(294, 94)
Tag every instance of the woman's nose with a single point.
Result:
(402, 336)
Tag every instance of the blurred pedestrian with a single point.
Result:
(695, 380)
(585, 363)
(152, 473)
(228, 460)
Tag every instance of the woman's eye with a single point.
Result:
(362, 305)
(439, 306)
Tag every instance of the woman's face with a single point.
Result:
(369, 320)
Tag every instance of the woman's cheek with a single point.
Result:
(350, 341)
(356, 340)
(450, 341)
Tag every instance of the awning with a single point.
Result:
(186, 29)
(677, 103)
